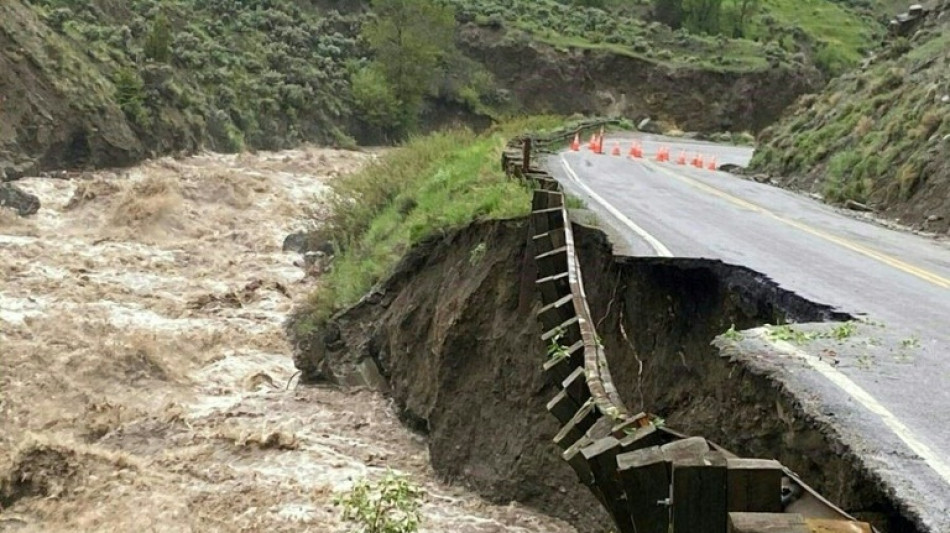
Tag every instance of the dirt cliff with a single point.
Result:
(543, 79)
(454, 335)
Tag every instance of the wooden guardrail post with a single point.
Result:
(754, 485)
(699, 494)
(645, 475)
(526, 155)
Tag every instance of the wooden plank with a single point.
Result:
(644, 437)
(553, 262)
(546, 199)
(629, 425)
(578, 462)
(563, 407)
(645, 477)
(576, 386)
(545, 242)
(699, 492)
(754, 485)
(556, 312)
(601, 455)
(564, 327)
(554, 287)
(824, 525)
(558, 368)
(577, 426)
(766, 523)
(547, 220)
(688, 448)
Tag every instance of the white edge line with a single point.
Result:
(654, 243)
(864, 398)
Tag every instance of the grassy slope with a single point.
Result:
(431, 183)
(266, 77)
(878, 136)
(847, 31)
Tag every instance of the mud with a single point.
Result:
(146, 380)
(454, 334)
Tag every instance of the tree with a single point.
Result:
(742, 12)
(409, 39)
(158, 42)
(376, 101)
(669, 12)
(702, 16)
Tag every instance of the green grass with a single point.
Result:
(843, 30)
(430, 184)
(834, 34)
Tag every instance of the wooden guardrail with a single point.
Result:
(650, 479)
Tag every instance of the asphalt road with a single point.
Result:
(889, 393)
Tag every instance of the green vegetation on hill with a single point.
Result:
(266, 73)
(878, 136)
(719, 34)
(125, 79)
(430, 183)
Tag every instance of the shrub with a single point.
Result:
(389, 506)
(375, 100)
(130, 95)
(158, 42)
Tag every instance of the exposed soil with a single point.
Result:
(545, 80)
(451, 330)
(147, 381)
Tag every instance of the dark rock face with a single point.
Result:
(544, 80)
(12, 197)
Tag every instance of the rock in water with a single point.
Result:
(12, 197)
(296, 242)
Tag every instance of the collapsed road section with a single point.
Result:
(450, 334)
(648, 477)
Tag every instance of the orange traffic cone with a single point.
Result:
(593, 142)
(599, 145)
(616, 151)
(681, 160)
(712, 164)
(633, 150)
(576, 144)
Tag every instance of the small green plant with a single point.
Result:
(731, 334)
(478, 252)
(573, 202)
(555, 351)
(865, 361)
(657, 421)
(844, 330)
(389, 506)
(910, 342)
(789, 334)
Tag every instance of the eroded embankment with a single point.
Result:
(452, 331)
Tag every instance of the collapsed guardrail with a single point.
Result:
(650, 479)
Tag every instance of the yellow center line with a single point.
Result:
(925, 275)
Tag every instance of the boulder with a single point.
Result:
(12, 197)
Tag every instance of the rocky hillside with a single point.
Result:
(108, 82)
(879, 136)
